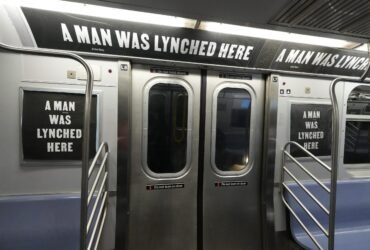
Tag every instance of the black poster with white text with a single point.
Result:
(310, 126)
(72, 32)
(52, 125)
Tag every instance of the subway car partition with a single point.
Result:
(303, 115)
(232, 162)
(165, 181)
(308, 108)
(164, 159)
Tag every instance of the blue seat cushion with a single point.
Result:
(40, 222)
(352, 214)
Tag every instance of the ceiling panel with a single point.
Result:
(232, 11)
(344, 19)
(347, 17)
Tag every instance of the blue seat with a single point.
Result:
(40, 222)
(352, 214)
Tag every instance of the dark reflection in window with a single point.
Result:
(358, 102)
(232, 129)
(167, 128)
(357, 142)
(358, 107)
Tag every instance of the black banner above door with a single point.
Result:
(73, 32)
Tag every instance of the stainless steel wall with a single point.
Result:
(303, 90)
(49, 74)
(162, 219)
(232, 215)
(44, 73)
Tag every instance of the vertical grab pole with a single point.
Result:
(334, 160)
(86, 125)
(85, 157)
(335, 153)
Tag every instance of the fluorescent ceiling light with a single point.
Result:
(105, 12)
(363, 47)
(274, 35)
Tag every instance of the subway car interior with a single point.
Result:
(184, 125)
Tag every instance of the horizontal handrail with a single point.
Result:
(95, 183)
(104, 145)
(98, 220)
(99, 214)
(100, 230)
(308, 153)
(307, 172)
(301, 223)
(283, 186)
(96, 201)
(307, 191)
(306, 210)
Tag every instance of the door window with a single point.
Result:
(232, 125)
(357, 133)
(357, 142)
(167, 139)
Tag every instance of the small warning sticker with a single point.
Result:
(231, 183)
(165, 186)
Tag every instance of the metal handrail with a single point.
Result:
(307, 172)
(333, 170)
(335, 147)
(96, 157)
(306, 210)
(99, 223)
(308, 153)
(307, 191)
(101, 198)
(100, 231)
(86, 124)
(96, 203)
(100, 171)
(300, 184)
(302, 225)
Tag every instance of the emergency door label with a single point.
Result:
(52, 125)
(231, 183)
(165, 186)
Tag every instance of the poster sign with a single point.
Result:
(52, 124)
(310, 126)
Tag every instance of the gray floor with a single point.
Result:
(284, 241)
